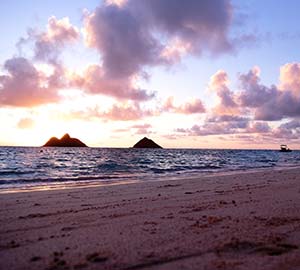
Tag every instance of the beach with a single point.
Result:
(241, 220)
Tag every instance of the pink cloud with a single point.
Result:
(168, 104)
(271, 103)
(210, 128)
(174, 50)
(254, 101)
(219, 84)
(253, 93)
(138, 129)
(48, 45)
(25, 86)
(142, 126)
(202, 24)
(126, 34)
(129, 111)
(193, 106)
(126, 112)
(226, 124)
(190, 107)
(258, 127)
(266, 103)
(142, 129)
(95, 81)
(288, 131)
(227, 118)
(122, 39)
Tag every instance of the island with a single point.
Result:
(65, 141)
(146, 143)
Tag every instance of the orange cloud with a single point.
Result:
(25, 123)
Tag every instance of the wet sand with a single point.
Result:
(240, 221)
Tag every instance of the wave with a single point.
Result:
(29, 166)
(59, 180)
(15, 172)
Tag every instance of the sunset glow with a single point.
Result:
(190, 74)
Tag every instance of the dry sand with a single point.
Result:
(240, 221)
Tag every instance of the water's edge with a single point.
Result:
(94, 184)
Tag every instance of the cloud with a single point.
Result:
(193, 106)
(127, 112)
(252, 98)
(138, 129)
(253, 93)
(123, 41)
(226, 124)
(281, 105)
(227, 118)
(174, 50)
(94, 81)
(211, 128)
(246, 112)
(142, 129)
(258, 127)
(25, 123)
(288, 131)
(190, 107)
(133, 35)
(219, 84)
(130, 36)
(142, 126)
(126, 34)
(25, 86)
(272, 103)
(202, 24)
(118, 3)
(121, 111)
(49, 44)
(290, 78)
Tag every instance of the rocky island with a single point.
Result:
(146, 143)
(65, 141)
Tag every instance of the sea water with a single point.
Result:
(27, 167)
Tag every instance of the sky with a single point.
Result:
(187, 74)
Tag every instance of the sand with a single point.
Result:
(239, 221)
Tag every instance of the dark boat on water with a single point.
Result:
(284, 148)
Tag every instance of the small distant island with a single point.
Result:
(65, 141)
(146, 143)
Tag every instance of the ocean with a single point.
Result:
(36, 167)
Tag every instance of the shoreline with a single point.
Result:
(237, 221)
(102, 183)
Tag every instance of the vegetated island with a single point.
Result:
(146, 143)
(65, 141)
